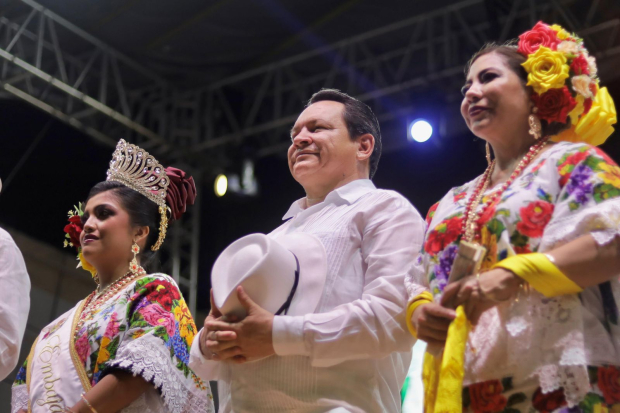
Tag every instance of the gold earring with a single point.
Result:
(488, 149)
(535, 125)
(134, 267)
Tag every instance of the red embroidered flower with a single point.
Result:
(488, 214)
(534, 218)
(554, 105)
(540, 35)
(443, 235)
(609, 383)
(566, 167)
(546, 403)
(74, 228)
(431, 213)
(459, 196)
(162, 292)
(522, 250)
(487, 397)
(580, 65)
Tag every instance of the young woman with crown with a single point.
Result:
(533, 324)
(125, 347)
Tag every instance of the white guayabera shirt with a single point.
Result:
(353, 352)
(14, 302)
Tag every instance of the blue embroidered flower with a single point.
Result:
(442, 270)
(179, 346)
(578, 185)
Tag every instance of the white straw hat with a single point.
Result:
(283, 275)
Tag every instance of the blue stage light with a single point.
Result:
(420, 130)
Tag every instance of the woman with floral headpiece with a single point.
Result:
(125, 347)
(517, 291)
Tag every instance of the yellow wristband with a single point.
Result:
(540, 273)
(418, 300)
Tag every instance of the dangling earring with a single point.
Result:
(134, 267)
(488, 148)
(535, 125)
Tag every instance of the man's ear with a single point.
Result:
(140, 235)
(365, 146)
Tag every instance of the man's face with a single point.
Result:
(322, 150)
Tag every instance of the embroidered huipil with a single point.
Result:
(14, 302)
(568, 191)
(353, 353)
(145, 329)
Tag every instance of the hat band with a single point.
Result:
(288, 301)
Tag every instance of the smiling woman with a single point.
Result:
(125, 347)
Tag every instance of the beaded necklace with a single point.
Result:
(96, 299)
(472, 215)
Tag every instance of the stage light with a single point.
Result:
(221, 185)
(420, 130)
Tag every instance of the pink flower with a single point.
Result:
(112, 328)
(540, 35)
(82, 346)
(155, 315)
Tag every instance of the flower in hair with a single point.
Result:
(181, 191)
(72, 234)
(540, 35)
(546, 70)
(554, 105)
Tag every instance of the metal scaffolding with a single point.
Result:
(58, 67)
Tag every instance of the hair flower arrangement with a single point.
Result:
(566, 87)
(72, 234)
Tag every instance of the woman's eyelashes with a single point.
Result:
(485, 77)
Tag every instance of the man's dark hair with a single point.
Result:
(358, 117)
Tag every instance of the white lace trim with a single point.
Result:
(148, 358)
(19, 398)
(602, 221)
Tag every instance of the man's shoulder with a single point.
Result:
(388, 196)
(6, 238)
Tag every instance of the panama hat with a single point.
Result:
(283, 275)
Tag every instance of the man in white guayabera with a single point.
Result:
(352, 353)
(14, 302)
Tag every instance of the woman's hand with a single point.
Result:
(431, 322)
(479, 294)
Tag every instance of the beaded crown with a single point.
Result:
(136, 168)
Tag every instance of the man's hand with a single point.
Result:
(252, 335)
(431, 322)
(214, 315)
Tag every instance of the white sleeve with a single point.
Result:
(206, 369)
(373, 326)
(14, 303)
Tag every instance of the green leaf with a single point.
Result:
(516, 399)
(605, 191)
(588, 403)
(503, 212)
(519, 240)
(573, 205)
(511, 410)
(496, 227)
(507, 383)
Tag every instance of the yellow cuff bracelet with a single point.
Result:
(540, 273)
(418, 300)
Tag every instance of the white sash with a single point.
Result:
(53, 380)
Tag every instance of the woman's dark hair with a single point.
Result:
(358, 117)
(514, 60)
(142, 213)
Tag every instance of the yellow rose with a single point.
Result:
(546, 70)
(562, 34)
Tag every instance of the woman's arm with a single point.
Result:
(587, 263)
(114, 392)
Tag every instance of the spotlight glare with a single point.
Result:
(221, 185)
(420, 130)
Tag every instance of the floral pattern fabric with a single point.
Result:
(568, 191)
(500, 396)
(147, 330)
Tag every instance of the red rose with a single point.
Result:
(162, 292)
(540, 35)
(534, 218)
(443, 235)
(580, 65)
(74, 229)
(554, 105)
(546, 403)
(587, 105)
(487, 397)
(522, 250)
(181, 191)
(609, 383)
